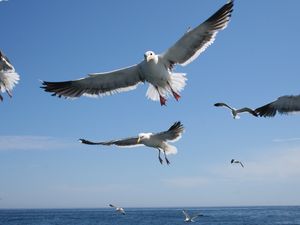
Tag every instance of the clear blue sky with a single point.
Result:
(252, 62)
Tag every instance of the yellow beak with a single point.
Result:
(138, 141)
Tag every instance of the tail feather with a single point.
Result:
(177, 82)
(171, 149)
(8, 80)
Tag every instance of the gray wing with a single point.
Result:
(242, 164)
(195, 41)
(97, 84)
(283, 105)
(111, 205)
(245, 109)
(126, 142)
(172, 134)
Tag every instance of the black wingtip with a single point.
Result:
(176, 125)
(217, 104)
(84, 141)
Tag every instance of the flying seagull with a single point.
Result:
(236, 161)
(284, 105)
(8, 77)
(234, 111)
(118, 209)
(156, 140)
(188, 218)
(156, 69)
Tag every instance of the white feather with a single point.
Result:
(8, 80)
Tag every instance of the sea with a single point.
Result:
(283, 215)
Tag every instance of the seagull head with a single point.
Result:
(143, 136)
(150, 55)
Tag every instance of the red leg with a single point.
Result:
(162, 100)
(176, 96)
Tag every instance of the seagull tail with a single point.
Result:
(170, 149)
(178, 81)
(8, 79)
(152, 93)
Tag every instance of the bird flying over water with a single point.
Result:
(157, 140)
(118, 209)
(236, 161)
(8, 76)
(156, 69)
(235, 112)
(284, 105)
(188, 218)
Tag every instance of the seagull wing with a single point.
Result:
(194, 217)
(97, 84)
(111, 205)
(126, 142)
(245, 109)
(241, 164)
(187, 216)
(5, 63)
(172, 134)
(283, 105)
(195, 41)
(232, 161)
(222, 104)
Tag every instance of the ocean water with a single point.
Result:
(287, 215)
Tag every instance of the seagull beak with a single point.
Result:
(149, 57)
(138, 141)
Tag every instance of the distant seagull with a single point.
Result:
(284, 105)
(188, 218)
(236, 161)
(118, 209)
(8, 77)
(156, 140)
(234, 111)
(157, 70)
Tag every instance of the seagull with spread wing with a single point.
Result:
(156, 69)
(237, 162)
(235, 112)
(8, 76)
(118, 209)
(284, 105)
(188, 218)
(157, 140)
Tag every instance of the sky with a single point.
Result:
(252, 62)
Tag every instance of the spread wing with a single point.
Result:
(283, 105)
(195, 41)
(172, 134)
(222, 104)
(111, 205)
(246, 109)
(126, 142)
(194, 217)
(187, 216)
(97, 84)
